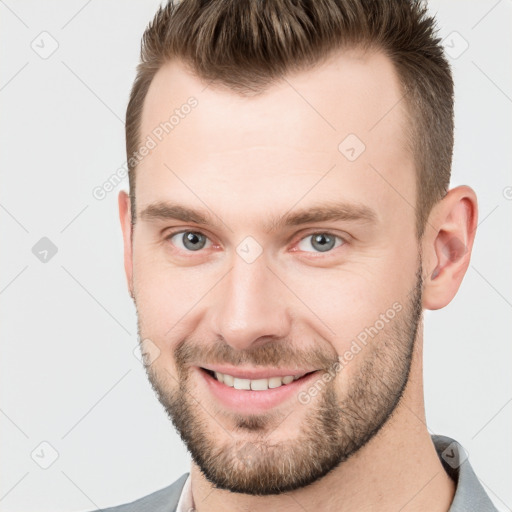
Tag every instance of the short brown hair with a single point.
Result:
(247, 45)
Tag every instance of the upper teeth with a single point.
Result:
(255, 384)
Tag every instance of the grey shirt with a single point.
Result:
(470, 496)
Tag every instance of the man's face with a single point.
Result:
(248, 291)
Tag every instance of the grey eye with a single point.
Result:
(189, 240)
(321, 242)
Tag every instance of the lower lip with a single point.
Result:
(247, 401)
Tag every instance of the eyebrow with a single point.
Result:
(328, 211)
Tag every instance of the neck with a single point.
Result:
(398, 469)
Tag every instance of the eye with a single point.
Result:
(321, 242)
(188, 240)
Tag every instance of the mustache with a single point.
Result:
(272, 354)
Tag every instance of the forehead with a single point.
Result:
(345, 115)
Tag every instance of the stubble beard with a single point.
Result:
(334, 426)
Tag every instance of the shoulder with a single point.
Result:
(163, 500)
(469, 492)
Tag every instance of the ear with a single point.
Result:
(125, 217)
(447, 244)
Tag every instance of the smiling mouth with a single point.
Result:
(254, 384)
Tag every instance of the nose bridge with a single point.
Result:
(249, 304)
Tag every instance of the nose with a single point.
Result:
(250, 305)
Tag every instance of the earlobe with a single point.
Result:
(126, 226)
(448, 247)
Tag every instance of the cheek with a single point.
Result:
(348, 304)
(168, 298)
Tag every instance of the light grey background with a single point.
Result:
(69, 376)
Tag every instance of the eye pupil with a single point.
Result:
(325, 242)
(190, 239)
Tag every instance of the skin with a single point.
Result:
(246, 160)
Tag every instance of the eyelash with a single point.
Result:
(328, 233)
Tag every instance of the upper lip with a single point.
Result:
(254, 373)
